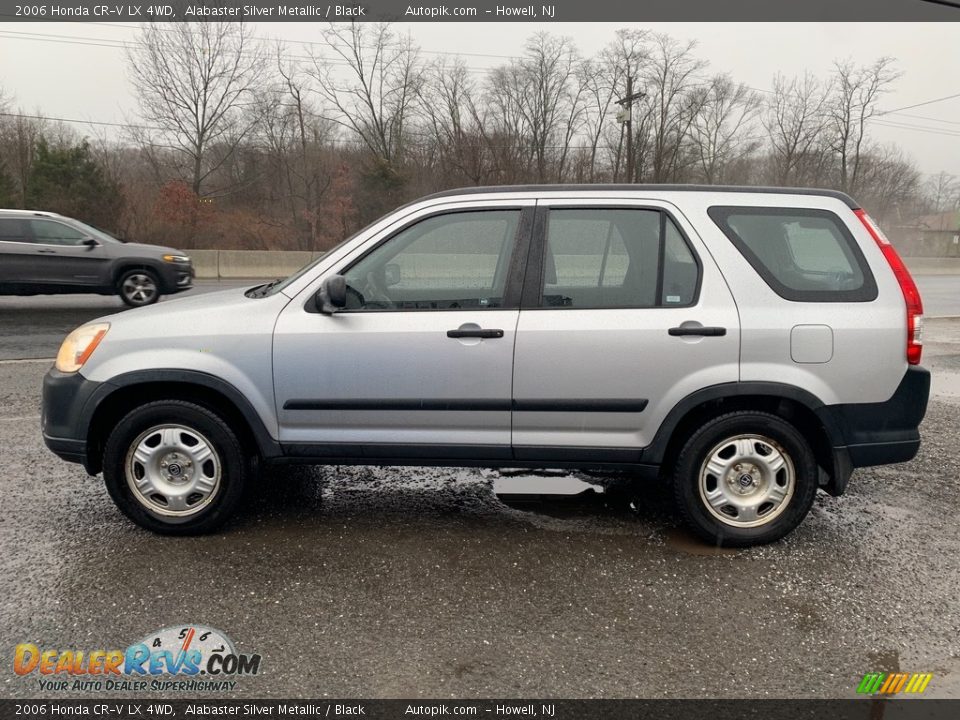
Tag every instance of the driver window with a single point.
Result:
(50, 232)
(457, 260)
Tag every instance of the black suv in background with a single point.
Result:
(46, 253)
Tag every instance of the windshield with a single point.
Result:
(93, 232)
(278, 285)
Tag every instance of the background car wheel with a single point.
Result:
(745, 478)
(138, 288)
(175, 468)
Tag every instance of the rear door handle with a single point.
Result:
(47, 252)
(479, 333)
(697, 330)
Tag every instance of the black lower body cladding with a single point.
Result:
(64, 428)
(885, 432)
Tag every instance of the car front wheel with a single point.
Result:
(175, 468)
(138, 288)
(745, 478)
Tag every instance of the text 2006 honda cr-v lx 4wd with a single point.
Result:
(747, 345)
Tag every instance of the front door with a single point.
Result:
(60, 257)
(624, 313)
(420, 362)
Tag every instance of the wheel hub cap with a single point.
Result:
(747, 480)
(173, 470)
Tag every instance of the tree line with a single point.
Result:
(241, 144)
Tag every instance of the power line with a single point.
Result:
(122, 44)
(920, 104)
(127, 44)
(917, 128)
(324, 43)
(104, 123)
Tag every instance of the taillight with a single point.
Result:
(908, 287)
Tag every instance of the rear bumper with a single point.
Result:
(867, 434)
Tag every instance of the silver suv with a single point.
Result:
(46, 253)
(747, 345)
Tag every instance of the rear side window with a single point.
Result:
(13, 230)
(804, 255)
(616, 258)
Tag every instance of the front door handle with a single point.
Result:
(478, 333)
(697, 330)
(47, 252)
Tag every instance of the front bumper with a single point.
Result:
(63, 423)
(177, 277)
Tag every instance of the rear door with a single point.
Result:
(16, 251)
(623, 314)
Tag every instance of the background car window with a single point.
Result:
(802, 254)
(607, 258)
(13, 230)
(50, 232)
(457, 260)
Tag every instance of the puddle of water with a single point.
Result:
(945, 385)
(542, 485)
(681, 540)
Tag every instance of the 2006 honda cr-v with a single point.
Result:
(749, 345)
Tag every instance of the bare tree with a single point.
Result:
(943, 192)
(541, 98)
(296, 141)
(18, 140)
(375, 94)
(667, 111)
(795, 121)
(450, 98)
(850, 105)
(192, 82)
(723, 130)
(622, 58)
(889, 185)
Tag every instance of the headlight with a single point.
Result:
(176, 258)
(79, 346)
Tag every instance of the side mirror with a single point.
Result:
(391, 275)
(90, 243)
(332, 295)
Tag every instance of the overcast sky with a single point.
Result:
(46, 67)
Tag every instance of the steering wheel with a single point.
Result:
(374, 296)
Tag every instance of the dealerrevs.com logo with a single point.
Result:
(189, 658)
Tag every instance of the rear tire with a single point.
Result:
(175, 468)
(745, 478)
(138, 288)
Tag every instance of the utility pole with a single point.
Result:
(626, 116)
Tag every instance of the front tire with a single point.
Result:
(138, 288)
(175, 468)
(745, 478)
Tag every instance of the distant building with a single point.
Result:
(928, 235)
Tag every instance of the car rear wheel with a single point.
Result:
(745, 478)
(175, 468)
(138, 288)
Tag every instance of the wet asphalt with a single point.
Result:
(406, 582)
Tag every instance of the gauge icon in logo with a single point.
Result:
(181, 639)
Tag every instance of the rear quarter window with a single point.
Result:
(803, 254)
